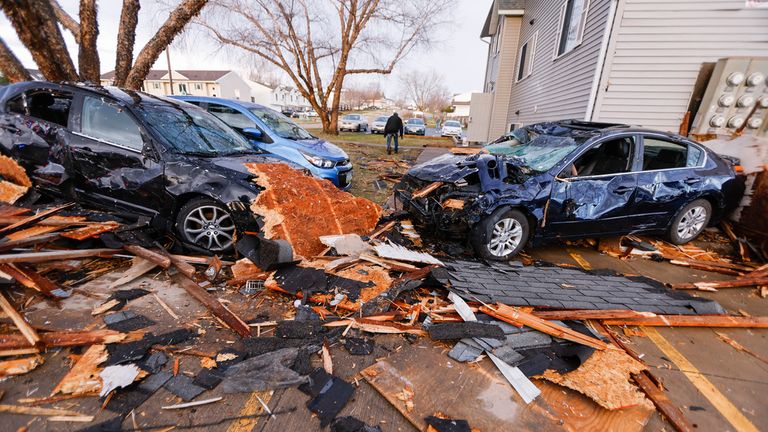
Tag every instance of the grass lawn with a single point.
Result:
(365, 138)
(370, 162)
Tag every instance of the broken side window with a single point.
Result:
(108, 122)
(44, 104)
(609, 157)
(232, 117)
(662, 154)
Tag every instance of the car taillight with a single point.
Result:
(738, 168)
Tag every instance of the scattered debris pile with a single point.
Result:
(514, 337)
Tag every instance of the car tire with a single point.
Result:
(206, 224)
(501, 235)
(690, 221)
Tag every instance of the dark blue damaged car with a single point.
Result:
(572, 179)
(134, 153)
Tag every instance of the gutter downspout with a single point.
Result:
(610, 22)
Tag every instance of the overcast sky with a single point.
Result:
(459, 55)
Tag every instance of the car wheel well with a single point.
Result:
(184, 198)
(716, 208)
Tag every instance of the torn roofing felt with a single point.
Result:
(568, 288)
(300, 209)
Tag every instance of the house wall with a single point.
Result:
(657, 48)
(557, 88)
(231, 86)
(480, 115)
(505, 72)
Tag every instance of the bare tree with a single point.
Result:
(36, 24)
(426, 90)
(318, 43)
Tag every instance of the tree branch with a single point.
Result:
(126, 39)
(88, 54)
(11, 66)
(66, 20)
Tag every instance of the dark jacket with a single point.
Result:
(394, 125)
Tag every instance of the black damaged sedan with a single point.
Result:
(573, 179)
(135, 153)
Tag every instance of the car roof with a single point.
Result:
(591, 130)
(223, 101)
(128, 97)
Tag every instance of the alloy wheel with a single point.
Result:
(505, 238)
(692, 223)
(210, 227)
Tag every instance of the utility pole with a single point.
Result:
(170, 73)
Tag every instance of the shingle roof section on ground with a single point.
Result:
(569, 288)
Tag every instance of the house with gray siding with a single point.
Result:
(623, 61)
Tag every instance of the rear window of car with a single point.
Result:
(352, 117)
(381, 119)
(662, 154)
(452, 124)
(416, 121)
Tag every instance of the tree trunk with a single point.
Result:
(88, 55)
(11, 66)
(35, 24)
(126, 38)
(175, 23)
(66, 20)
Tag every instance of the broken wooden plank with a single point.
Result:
(29, 333)
(149, 255)
(394, 251)
(29, 241)
(31, 220)
(373, 326)
(706, 267)
(36, 257)
(386, 227)
(517, 317)
(37, 411)
(193, 404)
(19, 366)
(741, 347)
(561, 315)
(28, 277)
(139, 267)
(426, 190)
(453, 203)
(214, 267)
(91, 230)
(83, 378)
(214, 306)
(18, 352)
(692, 321)
(737, 283)
(63, 339)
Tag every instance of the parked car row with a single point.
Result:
(179, 161)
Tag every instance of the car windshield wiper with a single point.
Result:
(199, 153)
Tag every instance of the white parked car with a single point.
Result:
(353, 123)
(451, 128)
(378, 125)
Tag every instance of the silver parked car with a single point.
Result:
(353, 123)
(415, 126)
(378, 125)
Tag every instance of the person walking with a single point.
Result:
(392, 129)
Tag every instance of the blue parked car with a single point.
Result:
(277, 135)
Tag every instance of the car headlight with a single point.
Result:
(318, 161)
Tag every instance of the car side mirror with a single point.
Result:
(253, 133)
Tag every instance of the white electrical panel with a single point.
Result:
(738, 87)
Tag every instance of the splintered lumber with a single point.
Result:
(83, 378)
(28, 241)
(19, 366)
(386, 227)
(29, 278)
(31, 220)
(37, 411)
(692, 321)
(63, 339)
(453, 203)
(214, 306)
(757, 273)
(517, 317)
(426, 190)
(91, 230)
(156, 257)
(139, 267)
(36, 257)
(741, 347)
(577, 315)
(738, 283)
(29, 333)
(394, 251)
(466, 150)
(373, 326)
(706, 267)
(192, 404)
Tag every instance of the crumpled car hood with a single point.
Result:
(444, 168)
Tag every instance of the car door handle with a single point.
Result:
(692, 180)
(623, 189)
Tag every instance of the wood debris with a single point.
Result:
(19, 366)
(14, 182)
(692, 321)
(83, 378)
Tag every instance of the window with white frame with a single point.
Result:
(525, 57)
(573, 19)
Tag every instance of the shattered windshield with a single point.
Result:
(192, 131)
(539, 151)
(281, 125)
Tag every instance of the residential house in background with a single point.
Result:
(289, 98)
(261, 93)
(460, 104)
(216, 83)
(643, 62)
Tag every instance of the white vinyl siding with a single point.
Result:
(657, 50)
(558, 88)
(505, 76)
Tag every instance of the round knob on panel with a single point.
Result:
(755, 79)
(735, 78)
(717, 121)
(763, 102)
(725, 100)
(755, 123)
(745, 101)
(735, 122)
